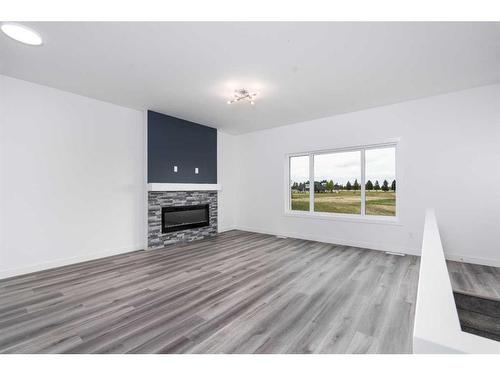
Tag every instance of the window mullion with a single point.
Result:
(363, 183)
(289, 183)
(311, 182)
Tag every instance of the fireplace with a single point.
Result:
(165, 204)
(176, 218)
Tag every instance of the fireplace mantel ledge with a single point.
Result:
(183, 187)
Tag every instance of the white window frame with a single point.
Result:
(362, 217)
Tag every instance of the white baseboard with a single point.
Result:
(225, 229)
(337, 241)
(473, 260)
(67, 261)
(367, 245)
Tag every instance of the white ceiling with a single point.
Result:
(302, 70)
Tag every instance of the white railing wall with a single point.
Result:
(437, 327)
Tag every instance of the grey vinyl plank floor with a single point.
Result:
(238, 292)
(475, 279)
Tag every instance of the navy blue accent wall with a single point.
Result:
(172, 141)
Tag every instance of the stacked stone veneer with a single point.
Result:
(159, 199)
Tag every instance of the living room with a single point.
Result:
(249, 187)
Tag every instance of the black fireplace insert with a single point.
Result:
(184, 217)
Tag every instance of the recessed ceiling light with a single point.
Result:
(22, 34)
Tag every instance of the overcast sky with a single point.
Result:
(346, 166)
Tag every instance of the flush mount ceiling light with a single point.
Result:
(243, 95)
(21, 33)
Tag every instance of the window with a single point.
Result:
(358, 181)
(337, 179)
(380, 180)
(299, 183)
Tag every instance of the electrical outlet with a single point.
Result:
(175, 169)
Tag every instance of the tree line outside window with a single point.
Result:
(330, 186)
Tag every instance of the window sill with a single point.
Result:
(383, 220)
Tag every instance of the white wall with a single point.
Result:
(71, 178)
(226, 177)
(449, 159)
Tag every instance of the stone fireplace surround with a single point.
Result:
(159, 199)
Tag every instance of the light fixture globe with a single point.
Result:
(21, 33)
